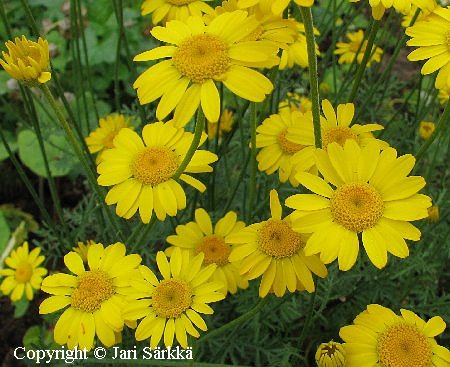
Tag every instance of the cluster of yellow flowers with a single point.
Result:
(360, 191)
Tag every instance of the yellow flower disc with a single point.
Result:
(287, 146)
(357, 206)
(24, 272)
(202, 57)
(277, 239)
(171, 298)
(94, 287)
(155, 165)
(338, 135)
(215, 249)
(403, 345)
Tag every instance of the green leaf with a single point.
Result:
(21, 307)
(5, 232)
(32, 337)
(4, 77)
(12, 142)
(57, 149)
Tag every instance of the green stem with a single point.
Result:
(199, 127)
(307, 320)
(367, 53)
(313, 77)
(81, 156)
(254, 163)
(441, 126)
(236, 322)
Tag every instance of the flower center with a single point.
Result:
(256, 34)
(108, 140)
(277, 239)
(24, 272)
(404, 345)
(287, 146)
(171, 298)
(94, 287)
(338, 135)
(357, 206)
(215, 249)
(180, 2)
(155, 165)
(202, 57)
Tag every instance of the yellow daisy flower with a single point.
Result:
(402, 6)
(171, 306)
(432, 37)
(174, 9)
(225, 124)
(280, 154)
(444, 94)
(297, 53)
(24, 273)
(347, 51)
(407, 18)
(27, 61)
(426, 129)
(373, 198)
(297, 102)
(95, 296)
(142, 172)
(82, 249)
(433, 214)
(274, 249)
(277, 6)
(335, 128)
(379, 337)
(330, 354)
(200, 237)
(200, 55)
(102, 138)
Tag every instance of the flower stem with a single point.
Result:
(313, 77)
(308, 319)
(80, 154)
(441, 126)
(254, 163)
(367, 53)
(236, 322)
(199, 127)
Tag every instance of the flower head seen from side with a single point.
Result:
(225, 124)
(426, 129)
(197, 56)
(277, 152)
(82, 249)
(102, 137)
(23, 274)
(27, 61)
(407, 18)
(336, 127)
(364, 194)
(297, 102)
(330, 354)
(142, 171)
(379, 337)
(273, 249)
(95, 295)
(348, 51)
(166, 10)
(201, 237)
(170, 308)
(432, 37)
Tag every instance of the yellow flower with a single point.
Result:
(297, 53)
(433, 214)
(379, 337)
(224, 125)
(27, 61)
(407, 18)
(402, 6)
(363, 193)
(280, 154)
(200, 237)
(330, 354)
(277, 6)
(426, 129)
(82, 249)
(24, 274)
(296, 102)
(96, 296)
(174, 9)
(102, 137)
(142, 171)
(274, 249)
(432, 37)
(444, 94)
(171, 306)
(335, 128)
(198, 56)
(348, 51)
